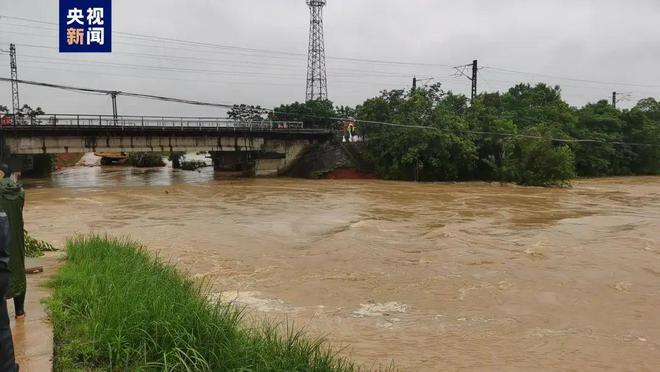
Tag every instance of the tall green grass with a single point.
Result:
(116, 307)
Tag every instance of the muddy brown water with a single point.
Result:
(468, 276)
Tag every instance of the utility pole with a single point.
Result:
(114, 106)
(462, 71)
(414, 88)
(317, 81)
(620, 97)
(475, 70)
(14, 81)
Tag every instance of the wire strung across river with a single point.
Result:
(231, 106)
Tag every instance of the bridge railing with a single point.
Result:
(103, 121)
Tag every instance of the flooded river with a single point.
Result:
(431, 276)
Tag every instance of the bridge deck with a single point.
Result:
(83, 133)
(55, 125)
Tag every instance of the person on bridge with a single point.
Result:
(11, 196)
(349, 129)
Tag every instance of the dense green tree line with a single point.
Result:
(526, 135)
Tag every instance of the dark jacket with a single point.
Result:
(5, 241)
(12, 241)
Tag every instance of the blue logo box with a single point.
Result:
(85, 26)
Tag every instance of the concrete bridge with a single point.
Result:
(268, 147)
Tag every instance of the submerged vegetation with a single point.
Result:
(146, 159)
(35, 247)
(117, 308)
(192, 165)
(528, 135)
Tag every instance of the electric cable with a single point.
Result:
(275, 111)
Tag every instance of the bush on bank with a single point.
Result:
(441, 136)
(538, 162)
(117, 308)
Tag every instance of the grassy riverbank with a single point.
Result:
(116, 307)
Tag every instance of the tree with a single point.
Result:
(28, 111)
(528, 135)
(527, 106)
(493, 148)
(438, 136)
(539, 162)
(428, 142)
(603, 123)
(313, 114)
(643, 127)
(246, 113)
(345, 111)
(4, 110)
(486, 116)
(649, 107)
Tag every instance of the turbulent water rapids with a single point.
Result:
(468, 276)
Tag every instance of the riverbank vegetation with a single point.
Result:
(35, 247)
(117, 308)
(528, 135)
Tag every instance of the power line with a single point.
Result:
(59, 61)
(511, 135)
(243, 81)
(232, 47)
(216, 72)
(503, 88)
(213, 61)
(373, 73)
(359, 60)
(380, 61)
(168, 39)
(230, 106)
(571, 78)
(130, 94)
(65, 61)
(127, 94)
(246, 64)
(461, 71)
(620, 96)
(155, 46)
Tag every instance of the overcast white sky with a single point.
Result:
(602, 40)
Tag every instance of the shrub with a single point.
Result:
(539, 162)
(146, 159)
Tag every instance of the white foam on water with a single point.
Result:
(252, 300)
(377, 309)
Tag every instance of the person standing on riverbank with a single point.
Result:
(10, 193)
(12, 199)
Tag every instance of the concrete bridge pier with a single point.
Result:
(278, 156)
(273, 159)
(232, 161)
(38, 166)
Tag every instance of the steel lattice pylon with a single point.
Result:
(317, 82)
(14, 80)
